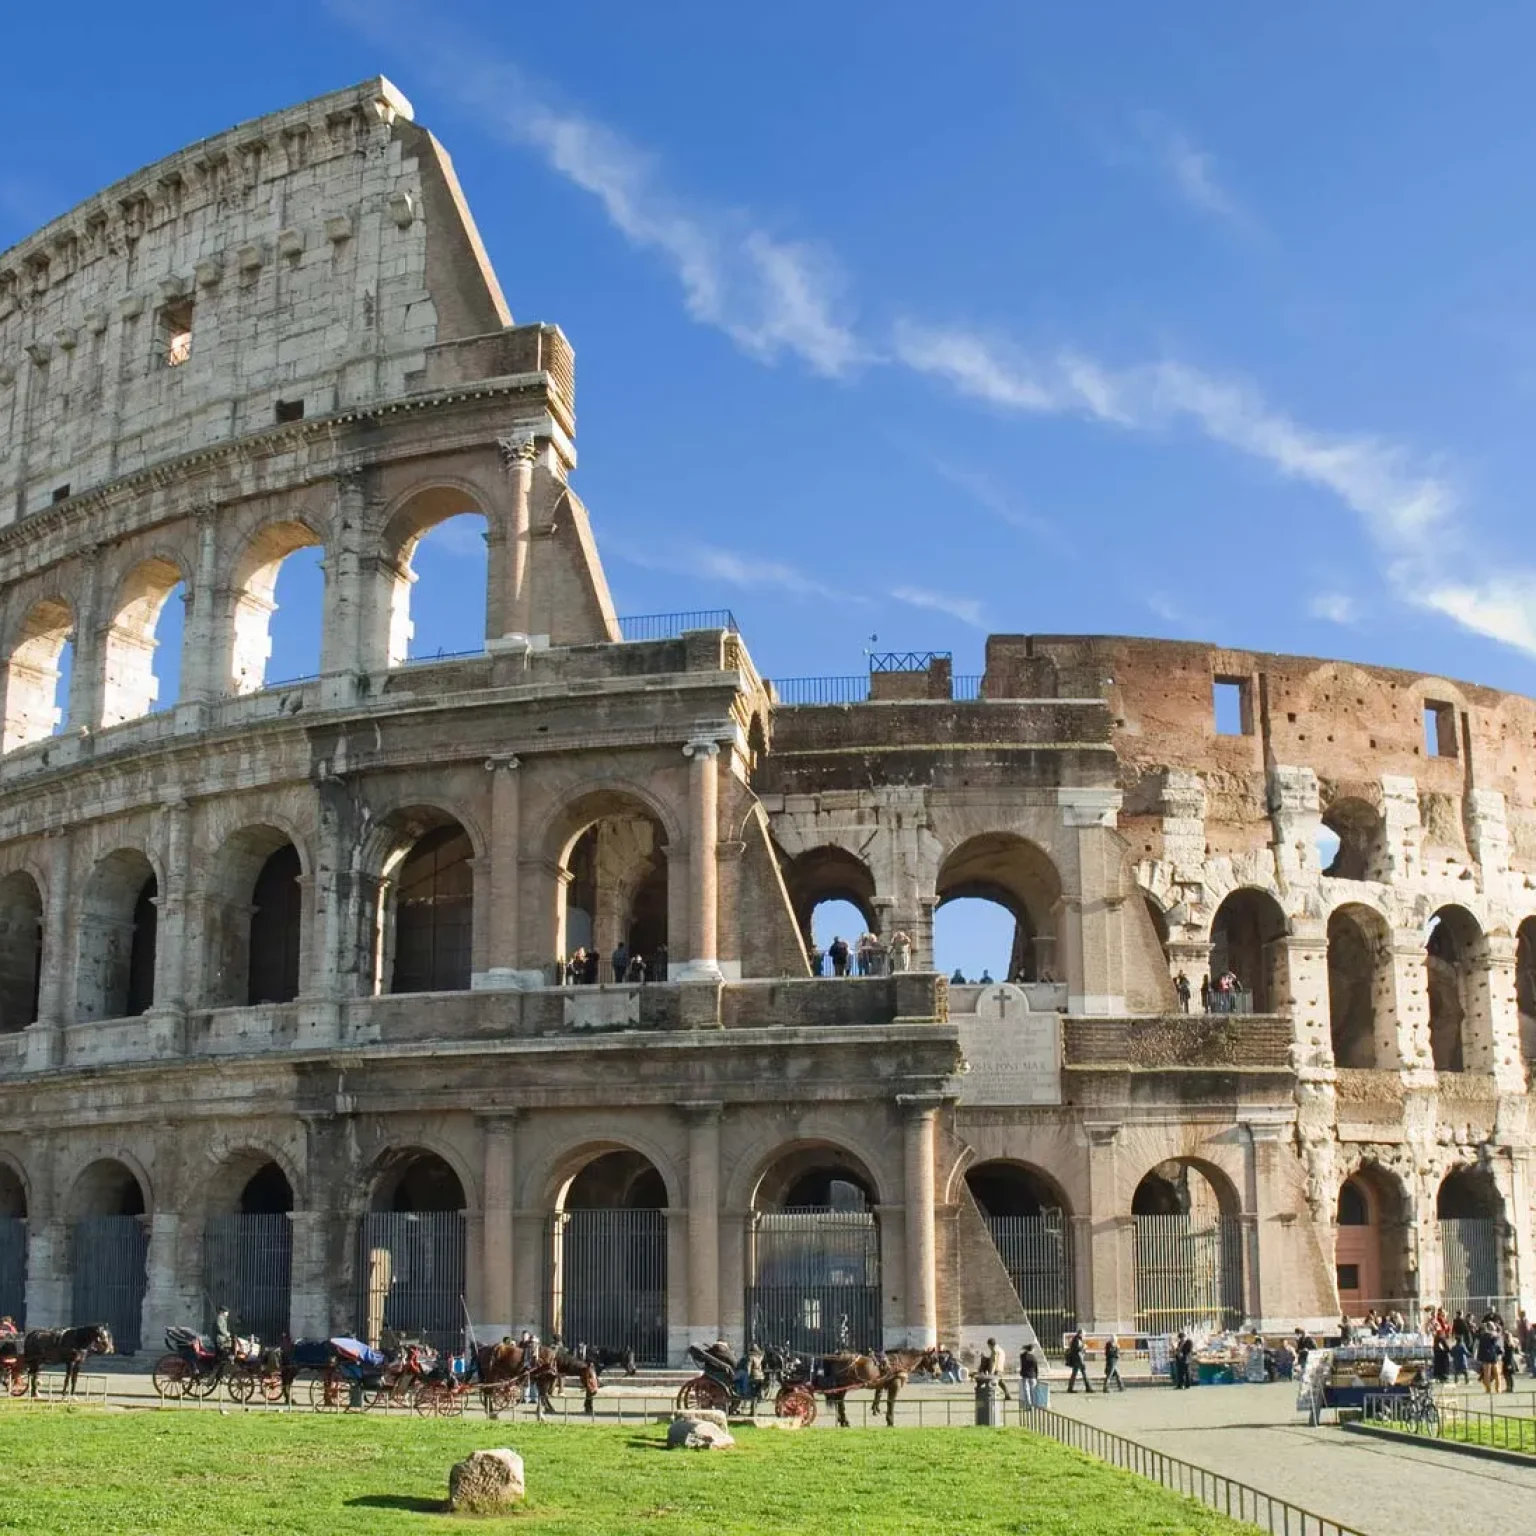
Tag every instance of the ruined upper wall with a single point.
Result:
(318, 254)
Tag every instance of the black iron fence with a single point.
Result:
(823, 690)
(13, 1269)
(410, 1276)
(1189, 1272)
(814, 1281)
(1227, 1496)
(1037, 1253)
(1462, 1423)
(670, 626)
(248, 1267)
(607, 1283)
(109, 1274)
(1470, 1250)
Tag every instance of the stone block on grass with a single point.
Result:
(486, 1483)
(693, 1434)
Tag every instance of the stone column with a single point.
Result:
(1301, 990)
(84, 706)
(506, 836)
(500, 1182)
(1492, 1027)
(922, 1247)
(702, 963)
(703, 1219)
(1110, 1307)
(202, 653)
(519, 454)
(353, 639)
(171, 959)
(309, 1302)
(1406, 1029)
(164, 1304)
(48, 1300)
(45, 1038)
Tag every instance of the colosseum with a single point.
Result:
(286, 1024)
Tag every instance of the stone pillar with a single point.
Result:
(1089, 955)
(165, 1306)
(45, 1038)
(733, 1227)
(202, 653)
(1112, 1265)
(704, 1318)
(48, 1300)
(518, 454)
(1491, 1030)
(1301, 990)
(171, 907)
(84, 707)
(1406, 1029)
(505, 879)
(349, 646)
(500, 1182)
(922, 1247)
(309, 1302)
(531, 1253)
(1269, 1294)
(679, 1285)
(701, 963)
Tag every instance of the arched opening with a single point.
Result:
(439, 577)
(813, 1271)
(411, 1252)
(1360, 1005)
(1356, 834)
(1189, 1249)
(21, 950)
(37, 674)
(1009, 873)
(1525, 987)
(109, 1251)
(614, 904)
(13, 1246)
(254, 920)
(1029, 1222)
(248, 1247)
(832, 894)
(1371, 1245)
(1473, 1238)
(427, 909)
(1455, 966)
(118, 920)
(608, 1257)
(142, 660)
(282, 572)
(1246, 947)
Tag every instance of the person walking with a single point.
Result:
(1205, 994)
(994, 1363)
(1112, 1364)
(1077, 1364)
(1459, 1361)
(837, 953)
(1181, 986)
(1511, 1361)
(1490, 1353)
(1440, 1356)
(1184, 1355)
(1029, 1377)
(620, 958)
(901, 951)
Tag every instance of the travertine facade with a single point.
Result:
(278, 963)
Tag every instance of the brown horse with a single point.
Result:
(844, 1373)
(508, 1365)
(64, 1346)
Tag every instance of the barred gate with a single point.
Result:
(1188, 1275)
(814, 1281)
(1469, 1259)
(607, 1280)
(1037, 1253)
(13, 1269)
(110, 1260)
(248, 1267)
(410, 1276)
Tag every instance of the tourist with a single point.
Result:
(837, 953)
(1181, 986)
(620, 959)
(901, 951)
(1029, 1377)
(636, 970)
(1511, 1362)
(1462, 1329)
(1285, 1361)
(1111, 1365)
(949, 1368)
(1305, 1344)
(958, 979)
(986, 977)
(1440, 1359)
(1346, 1331)
(1490, 1355)
(1205, 994)
(1184, 1355)
(1459, 1359)
(658, 966)
(223, 1334)
(591, 968)
(1077, 1362)
(992, 1366)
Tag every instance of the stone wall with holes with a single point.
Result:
(302, 263)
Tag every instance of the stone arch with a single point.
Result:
(21, 950)
(407, 520)
(129, 686)
(1014, 1216)
(1456, 974)
(114, 1185)
(1525, 986)
(1019, 876)
(1361, 987)
(1372, 1221)
(1003, 1186)
(118, 922)
(1168, 1189)
(252, 1179)
(549, 1182)
(32, 671)
(15, 1188)
(247, 1249)
(808, 1167)
(253, 917)
(108, 1204)
(1247, 930)
(424, 919)
(1362, 839)
(1474, 1239)
(830, 873)
(418, 1178)
(1188, 1247)
(253, 600)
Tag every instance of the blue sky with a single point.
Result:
(1206, 321)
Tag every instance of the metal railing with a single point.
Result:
(823, 690)
(671, 626)
(905, 661)
(441, 655)
(1459, 1423)
(966, 687)
(1227, 1496)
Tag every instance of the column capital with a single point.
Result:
(502, 1118)
(920, 1106)
(516, 449)
(507, 760)
(701, 747)
(702, 1111)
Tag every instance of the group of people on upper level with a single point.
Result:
(867, 957)
(1224, 995)
(584, 967)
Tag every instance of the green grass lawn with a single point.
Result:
(1503, 1431)
(68, 1471)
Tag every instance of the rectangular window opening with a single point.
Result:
(1233, 706)
(1439, 729)
(1349, 1277)
(61, 492)
(289, 410)
(176, 332)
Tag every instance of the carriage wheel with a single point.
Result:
(241, 1386)
(502, 1397)
(327, 1393)
(272, 1387)
(704, 1392)
(432, 1400)
(170, 1377)
(795, 1403)
(18, 1381)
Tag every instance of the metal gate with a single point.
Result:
(1469, 1260)
(111, 1255)
(1188, 1275)
(1037, 1253)
(608, 1281)
(13, 1269)
(410, 1276)
(248, 1267)
(814, 1281)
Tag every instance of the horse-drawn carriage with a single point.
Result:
(352, 1375)
(13, 1368)
(194, 1367)
(728, 1388)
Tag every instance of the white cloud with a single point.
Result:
(1502, 608)
(462, 535)
(966, 609)
(709, 563)
(1189, 170)
(1336, 607)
